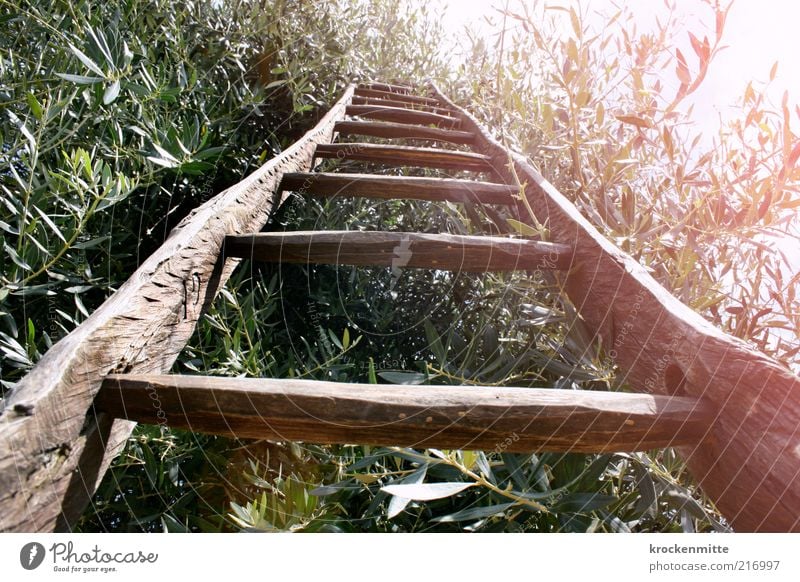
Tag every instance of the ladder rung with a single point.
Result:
(448, 417)
(399, 187)
(400, 104)
(405, 156)
(403, 130)
(388, 87)
(396, 96)
(448, 252)
(401, 115)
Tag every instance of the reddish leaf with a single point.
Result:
(668, 144)
(762, 313)
(698, 48)
(793, 156)
(764, 206)
(791, 353)
(787, 130)
(633, 120)
(682, 70)
(721, 21)
(576, 25)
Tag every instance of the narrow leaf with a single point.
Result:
(346, 338)
(434, 342)
(33, 103)
(397, 503)
(683, 70)
(720, 22)
(522, 228)
(49, 222)
(633, 120)
(427, 491)
(89, 63)
(165, 154)
(15, 257)
(324, 490)
(793, 156)
(163, 162)
(111, 93)
(474, 513)
(413, 378)
(583, 502)
(648, 497)
(696, 46)
(576, 25)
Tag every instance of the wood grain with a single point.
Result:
(388, 87)
(750, 464)
(401, 104)
(398, 156)
(399, 187)
(52, 460)
(402, 130)
(402, 115)
(400, 249)
(378, 94)
(450, 417)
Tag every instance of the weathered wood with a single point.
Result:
(388, 87)
(392, 155)
(402, 130)
(450, 417)
(750, 465)
(53, 456)
(400, 249)
(399, 187)
(400, 104)
(402, 115)
(377, 94)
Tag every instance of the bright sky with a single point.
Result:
(757, 32)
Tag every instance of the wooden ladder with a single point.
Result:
(733, 413)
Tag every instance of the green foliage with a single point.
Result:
(107, 129)
(118, 119)
(606, 115)
(164, 481)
